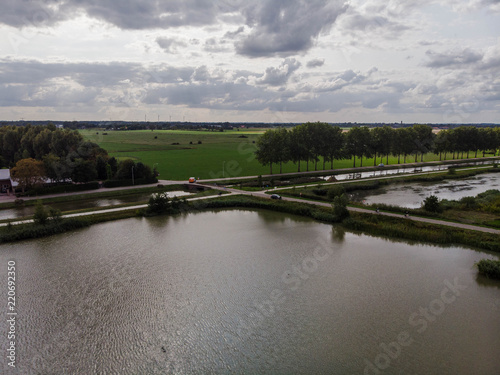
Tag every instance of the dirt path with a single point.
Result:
(264, 195)
(366, 211)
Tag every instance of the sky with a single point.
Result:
(415, 61)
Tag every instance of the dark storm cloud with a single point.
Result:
(286, 27)
(453, 59)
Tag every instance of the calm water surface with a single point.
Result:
(251, 292)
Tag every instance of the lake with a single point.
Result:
(247, 291)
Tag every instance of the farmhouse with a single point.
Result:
(6, 183)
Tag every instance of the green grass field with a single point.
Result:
(220, 153)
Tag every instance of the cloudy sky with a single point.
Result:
(251, 60)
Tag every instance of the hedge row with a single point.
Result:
(66, 188)
(28, 231)
(120, 183)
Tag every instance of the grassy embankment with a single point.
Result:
(370, 224)
(83, 198)
(218, 152)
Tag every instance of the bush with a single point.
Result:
(54, 214)
(41, 215)
(335, 191)
(158, 203)
(468, 202)
(489, 268)
(320, 192)
(431, 204)
(340, 207)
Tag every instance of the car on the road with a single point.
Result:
(275, 196)
(192, 179)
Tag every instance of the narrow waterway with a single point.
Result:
(247, 291)
(382, 172)
(24, 211)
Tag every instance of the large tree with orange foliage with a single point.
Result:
(28, 173)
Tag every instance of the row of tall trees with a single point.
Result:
(315, 142)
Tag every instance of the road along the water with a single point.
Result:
(264, 195)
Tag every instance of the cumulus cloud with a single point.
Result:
(286, 27)
(315, 63)
(452, 59)
(232, 34)
(216, 45)
(170, 45)
(279, 76)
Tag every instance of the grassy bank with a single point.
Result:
(376, 225)
(379, 225)
(28, 231)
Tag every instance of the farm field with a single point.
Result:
(220, 154)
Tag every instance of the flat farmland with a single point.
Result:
(178, 155)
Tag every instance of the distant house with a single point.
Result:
(60, 126)
(6, 183)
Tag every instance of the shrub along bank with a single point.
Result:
(489, 268)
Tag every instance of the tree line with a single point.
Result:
(38, 153)
(315, 142)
